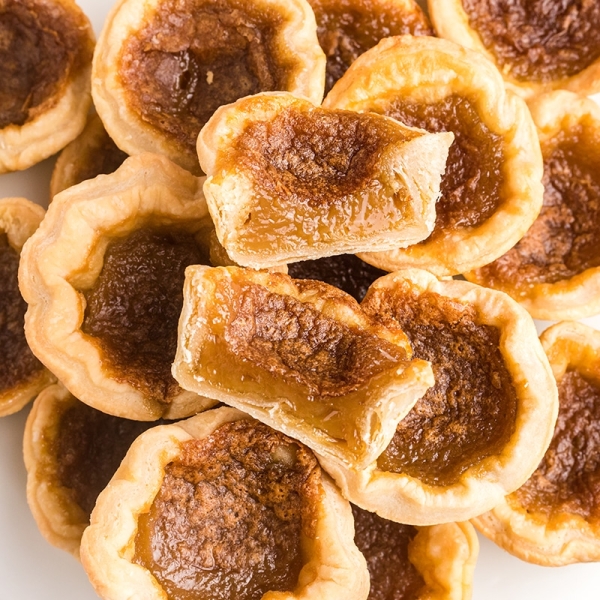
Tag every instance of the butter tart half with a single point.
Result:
(103, 278)
(482, 429)
(299, 355)
(289, 181)
(554, 271)
(162, 67)
(491, 191)
(22, 376)
(537, 46)
(45, 63)
(554, 518)
(222, 507)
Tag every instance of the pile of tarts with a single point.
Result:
(256, 373)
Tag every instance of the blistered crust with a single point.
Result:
(406, 499)
(428, 71)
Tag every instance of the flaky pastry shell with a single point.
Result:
(410, 499)
(554, 536)
(334, 567)
(66, 256)
(427, 71)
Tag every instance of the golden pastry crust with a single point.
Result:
(483, 481)
(451, 21)
(554, 271)
(333, 567)
(424, 74)
(50, 38)
(19, 218)
(553, 535)
(291, 29)
(64, 260)
(290, 181)
(298, 355)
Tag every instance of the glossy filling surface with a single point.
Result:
(385, 545)
(133, 309)
(535, 40)
(348, 28)
(191, 57)
(564, 240)
(233, 515)
(568, 478)
(471, 187)
(470, 412)
(17, 364)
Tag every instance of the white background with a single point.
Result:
(31, 569)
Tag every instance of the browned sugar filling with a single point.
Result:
(189, 58)
(535, 40)
(348, 28)
(17, 363)
(40, 45)
(470, 412)
(384, 545)
(134, 306)
(471, 188)
(232, 516)
(568, 478)
(564, 240)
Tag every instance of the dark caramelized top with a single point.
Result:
(385, 544)
(133, 309)
(568, 478)
(41, 44)
(470, 412)
(348, 28)
(17, 363)
(472, 184)
(230, 516)
(535, 40)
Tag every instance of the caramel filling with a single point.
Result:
(232, 517)
(134, 306)
(348, 28)
(535, 40)
(470, 412)
(17, 364)
(384, 545)
(564, 240)
(568, 478)
(40, 46)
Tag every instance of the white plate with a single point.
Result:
(31, 569)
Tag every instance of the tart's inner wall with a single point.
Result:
(40, 44)
(471, 187)
(192, 57)
(568, 478)
(229, 520)
(134, 306)
(470, 412)
(536, 40)
(384, 545)
(17, 364)
(348, 28)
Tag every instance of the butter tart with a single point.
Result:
(491, 191)
(22, 376)
(537, 46)
(222, 507)
(554, 271)
(162, 67)
(554, 518)
(299, 355)
(103, 278)
(45, 62)
(482, 429)
(289, 181)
